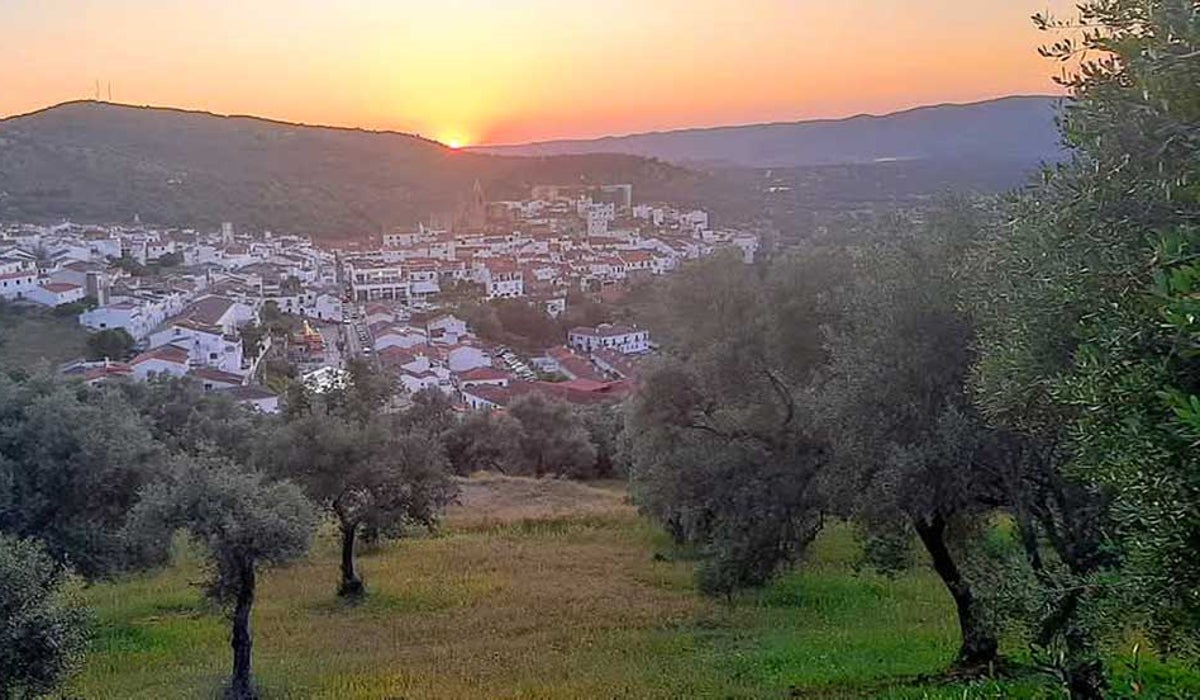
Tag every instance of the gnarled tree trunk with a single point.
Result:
(979, 644)
(240, 684)
(351, 585)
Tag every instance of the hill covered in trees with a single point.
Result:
(93, 161)
(1016, 130)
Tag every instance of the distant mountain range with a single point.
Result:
(106, 163)
(1020, 130)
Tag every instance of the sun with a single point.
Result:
(454, 141)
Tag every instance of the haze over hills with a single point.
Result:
(1021, 130)
(107, 163)
(101, 162)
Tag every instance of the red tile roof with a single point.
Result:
(166, 353)
(60, 287)
(483, 374)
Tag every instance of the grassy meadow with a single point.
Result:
(32, 338)
(544, 589)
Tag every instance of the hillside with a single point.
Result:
(546, 589)
(1020, 130)
(92, 161)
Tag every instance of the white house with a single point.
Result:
(17, 285)
(214, 379)
(434, 378)
(325, 307)
(627, 339)
(481, 376)
(56, 293)
(137, 317)
(222, 312)
(371, 280)
(206, 346)
(165, 360)
(446, 330)
(485, 397)
(399, 336)
(503, 280)
(463, 358)
(17, 260)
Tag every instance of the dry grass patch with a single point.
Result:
(489, 500)
(541, 589)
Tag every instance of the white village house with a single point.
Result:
(626, 339)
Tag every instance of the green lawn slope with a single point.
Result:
(542, 589)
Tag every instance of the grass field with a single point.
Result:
(540, 590)
(31, 338)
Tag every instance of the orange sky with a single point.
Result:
(498, 71)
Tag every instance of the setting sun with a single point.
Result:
(454, 140)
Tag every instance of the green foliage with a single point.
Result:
(186, 419)
(370, 474)
(72, 459)
(481, 442)
(252, 335)
(128, 264)
(73, 309)
(909, 449)
(111, 344)
(375, 473)
(1084, 309)
(720, 435)
(43, 628)
(243, 520)
(34, 339)
(551, 439)
(244, 523)
(606, 429)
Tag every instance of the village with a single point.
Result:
(229, 309)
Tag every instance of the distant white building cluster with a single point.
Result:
(186, 296)
(561, 239)
(182, 295)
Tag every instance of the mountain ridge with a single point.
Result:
(1026, 116)
(109, 163)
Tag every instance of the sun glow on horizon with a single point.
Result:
(453, 140)
(478, 72)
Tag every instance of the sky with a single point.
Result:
(471, 72)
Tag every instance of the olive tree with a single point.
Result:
(911, 452)
(245, 523)
(43, 631)
(721, 435)
(72, 458)
(1087, 348)
(371, 475)
(550, 439)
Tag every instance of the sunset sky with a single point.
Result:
(502, 71)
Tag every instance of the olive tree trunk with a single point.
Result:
(979, 644)
(351, 585)
(240, 684)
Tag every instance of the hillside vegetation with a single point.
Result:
(1018, 130)
(101, 162)
(544, 589)
(31, 338)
